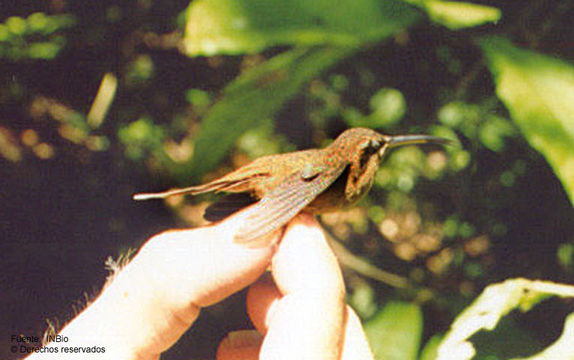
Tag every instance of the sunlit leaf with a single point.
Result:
(458, 15)
(538, 91)
(486, 311)
(395, 332)
(235, 27)
(102, 101)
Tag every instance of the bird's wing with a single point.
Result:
(281, 204)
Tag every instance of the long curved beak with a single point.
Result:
(400, 140)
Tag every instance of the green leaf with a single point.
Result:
(563, 348)
(508, 340)
(395, 332)
(486, 311)
(430, 349)
(494, 130)
(459, 15)
(254, 96)
(249, 26)
(538, 91)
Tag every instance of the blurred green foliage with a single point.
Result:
(395, 331)
(141, 138)
(180, 92)
(253, 97)
(236, 27)
(38, 36)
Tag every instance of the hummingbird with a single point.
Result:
(315, 181)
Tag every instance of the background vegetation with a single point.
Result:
(99, 100)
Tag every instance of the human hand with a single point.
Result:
(299, 310)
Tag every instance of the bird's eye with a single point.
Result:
(368, 147)
(370, 144)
